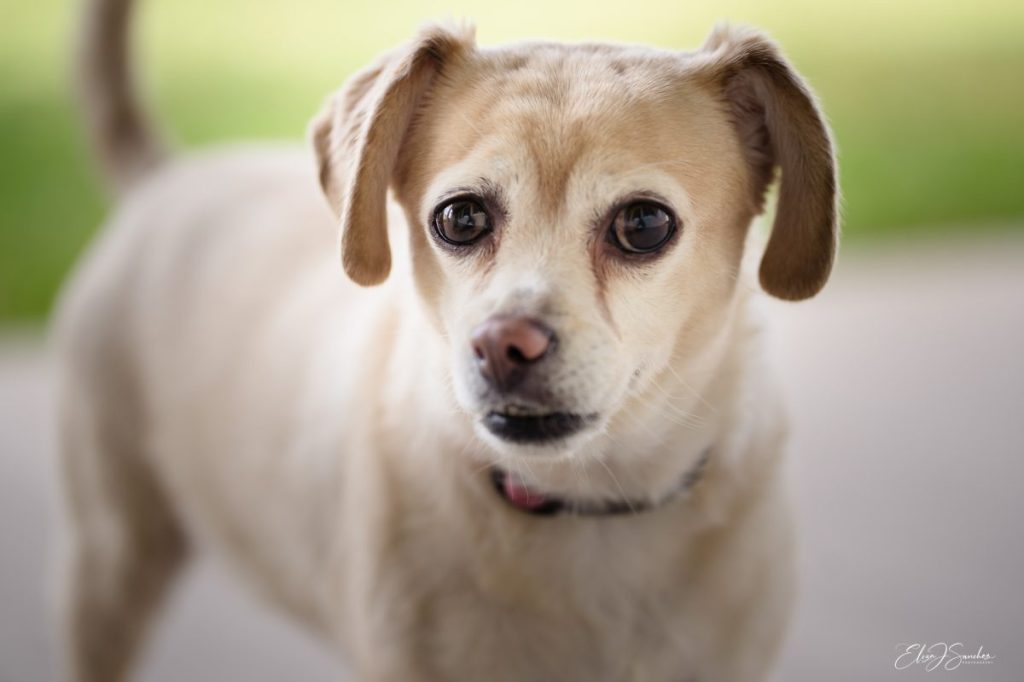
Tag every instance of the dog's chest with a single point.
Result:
(534, 603)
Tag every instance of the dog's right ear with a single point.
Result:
(357, 138)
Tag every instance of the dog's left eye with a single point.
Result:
(642, 227)
(461, 222)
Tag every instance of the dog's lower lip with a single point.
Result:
(521, 428)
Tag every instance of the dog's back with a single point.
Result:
(209, 245)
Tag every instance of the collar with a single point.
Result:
(525, 500)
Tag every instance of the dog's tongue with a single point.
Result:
(519, 495)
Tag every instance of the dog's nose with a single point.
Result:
(505, 348)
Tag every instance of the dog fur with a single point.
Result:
(225, 387)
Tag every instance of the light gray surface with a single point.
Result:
(906, 385)
(905, 380)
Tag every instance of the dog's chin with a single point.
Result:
(552, 434)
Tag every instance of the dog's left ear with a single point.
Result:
(359, 134)
(779, 125)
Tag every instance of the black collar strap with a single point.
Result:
(553, 506)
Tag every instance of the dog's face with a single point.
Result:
(578, 213)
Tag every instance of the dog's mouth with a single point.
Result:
(518, 425)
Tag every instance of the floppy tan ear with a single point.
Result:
(779, 125)
(358, 136)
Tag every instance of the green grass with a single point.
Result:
(925, 98)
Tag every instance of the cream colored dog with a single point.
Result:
(543, 447)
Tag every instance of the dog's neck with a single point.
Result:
(538, 503)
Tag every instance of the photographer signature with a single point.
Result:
(938, 655)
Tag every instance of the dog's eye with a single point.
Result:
(642, 227)
(461, 222)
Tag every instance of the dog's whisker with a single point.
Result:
(687, 386)
(618, 485)
(664, 409)
(657, 382)
(575, 467)
(669, 401)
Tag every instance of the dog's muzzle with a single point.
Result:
(510, 353)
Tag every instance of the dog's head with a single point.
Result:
(578, 212)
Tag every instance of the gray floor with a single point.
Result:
(906, 385)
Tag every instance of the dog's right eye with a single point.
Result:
(461, 222)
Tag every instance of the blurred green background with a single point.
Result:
(926, 98)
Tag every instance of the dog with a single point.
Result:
(528, 433)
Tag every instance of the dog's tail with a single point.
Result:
(122, 136)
